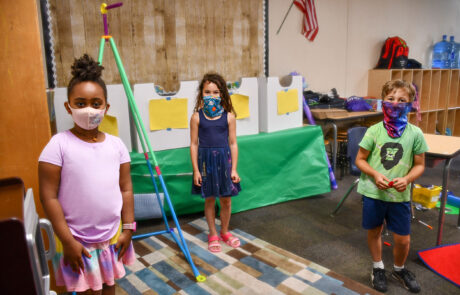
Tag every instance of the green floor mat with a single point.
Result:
(449, 209)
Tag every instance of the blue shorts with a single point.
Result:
(397, 215)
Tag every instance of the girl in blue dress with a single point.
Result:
(214, 155)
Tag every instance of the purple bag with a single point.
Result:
(357, 104)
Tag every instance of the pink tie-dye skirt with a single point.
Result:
(102, 268)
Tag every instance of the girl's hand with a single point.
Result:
(235, 177)
(124, 242)
(381, 181)
(197, 178)
(400, 184)
(73, 255)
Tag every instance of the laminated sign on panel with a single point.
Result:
(280, 107)
(245, 100)
(166, 118)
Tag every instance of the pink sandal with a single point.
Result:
(230, 240)
(213, 244)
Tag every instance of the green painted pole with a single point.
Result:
(101, 50)
(129, 94)
(140, 127)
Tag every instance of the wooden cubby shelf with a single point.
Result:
(439, 94)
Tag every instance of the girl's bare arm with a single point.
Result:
(127, 211)
(194, 122)
(233, 145)
(49, 177)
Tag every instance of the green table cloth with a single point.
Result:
(274, 167)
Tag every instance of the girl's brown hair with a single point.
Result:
(397, 84)
(217, 79)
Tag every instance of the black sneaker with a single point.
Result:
(407, 278)
(379, 279)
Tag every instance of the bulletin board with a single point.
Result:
(165, 41)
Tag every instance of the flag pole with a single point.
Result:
(292, 3)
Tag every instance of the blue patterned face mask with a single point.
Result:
(212, 107)
(395, 117)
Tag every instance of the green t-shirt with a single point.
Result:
(392, 157)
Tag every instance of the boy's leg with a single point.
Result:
(399, 219)
(373, 217)
(225, 213)
(374, 241)
(400, 273)
(400, 249)
(210, 214)
(374, 212)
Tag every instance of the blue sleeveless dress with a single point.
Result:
(214, 159)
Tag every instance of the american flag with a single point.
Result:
(309, 23)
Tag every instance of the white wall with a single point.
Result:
(351, 34)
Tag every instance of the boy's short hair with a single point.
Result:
(396, 84)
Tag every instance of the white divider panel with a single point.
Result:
(247, 126)
(118, 108)
(165, 139)
(269, 120)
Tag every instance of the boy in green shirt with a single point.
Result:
(391, 156)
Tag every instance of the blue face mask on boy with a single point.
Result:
(395, 117)
(212, 107)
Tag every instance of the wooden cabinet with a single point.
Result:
(439, 94)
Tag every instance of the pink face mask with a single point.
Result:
(87, 118)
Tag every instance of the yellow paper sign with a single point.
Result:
(168, 113)
(287, 101)
(109, 125)
(241, 105)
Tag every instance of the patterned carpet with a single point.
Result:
(257, 267)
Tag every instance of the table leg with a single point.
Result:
(334, 145)
(411, 203)
(458, 221)
(445, 178)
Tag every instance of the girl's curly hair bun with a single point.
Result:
(86, 69)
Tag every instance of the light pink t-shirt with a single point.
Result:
(89, 191)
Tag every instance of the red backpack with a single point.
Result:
(394, 54)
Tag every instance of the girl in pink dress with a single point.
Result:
(86, 190)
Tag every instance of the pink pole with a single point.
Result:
(114, 5)
(106, 25)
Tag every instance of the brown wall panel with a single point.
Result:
(24, 120)
(163, 41)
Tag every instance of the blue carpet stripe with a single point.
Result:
(128, 287)
(330, 285)
(203, 271)
(196, 290)
(154, 282)
(244, 234)
(207, 256)
(324, 275)
(174, 275)
(204, 254)
(269, 275)
(152, 243)
(202, 237)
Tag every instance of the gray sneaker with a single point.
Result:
(406, 278)
(379, 279)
